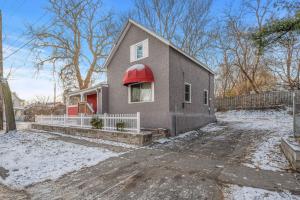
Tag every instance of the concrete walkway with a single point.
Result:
(196, 168)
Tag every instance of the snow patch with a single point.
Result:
(35, 157)
(234, 192)
(99, 141)
(178, 137)
(275, 124)
(136, 67)
(273, 120)
(213, 127)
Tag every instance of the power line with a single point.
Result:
(16, 51)
(21, 47)
(18, 39)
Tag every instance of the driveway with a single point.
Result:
(212, 163)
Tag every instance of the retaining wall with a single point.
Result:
(143, 138)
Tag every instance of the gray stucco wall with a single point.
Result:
(188, 116)
(153, 114)
(103, 100)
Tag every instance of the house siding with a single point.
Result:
(153, 114)
(188, 116)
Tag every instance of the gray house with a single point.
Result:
(147, 74)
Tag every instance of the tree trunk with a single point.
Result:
(9, 110)
(1, 109)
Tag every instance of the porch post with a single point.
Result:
(81, 97)
(67, 103)
(97, 111)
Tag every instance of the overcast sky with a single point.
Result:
(16, 15)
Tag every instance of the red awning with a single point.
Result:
(138, 73)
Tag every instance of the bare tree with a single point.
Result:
(285, 59)
(78, 40)
(251, 69)
(185, 23)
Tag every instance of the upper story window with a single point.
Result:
(187, 93)
(139, 51)
(141, 92)
(205, 97)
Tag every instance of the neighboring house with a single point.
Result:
(148, 74)
(18, 105)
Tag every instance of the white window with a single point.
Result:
(139, 51)
(205, 95)
(187, 93)
(141, 92)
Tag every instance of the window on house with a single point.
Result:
(139, 51)
(205, 97)
(141, 92)
(187, 93)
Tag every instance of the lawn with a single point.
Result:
(30, 157)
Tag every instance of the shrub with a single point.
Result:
(120, 126)
(97, 123)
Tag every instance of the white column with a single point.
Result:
(81, 97)
(67, 104)
(97, 101)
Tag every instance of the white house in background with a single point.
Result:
(19, 105)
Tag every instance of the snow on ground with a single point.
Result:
(234, 192)
(274, 120)
(99, 141)
(274, 124)
(213, 127)
(176, 138)
(34, 157)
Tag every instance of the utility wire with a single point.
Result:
(24, 45)
(20, 36)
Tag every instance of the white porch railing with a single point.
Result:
(131, 121)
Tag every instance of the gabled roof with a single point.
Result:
(168, 43)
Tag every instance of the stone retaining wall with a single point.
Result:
(143, 138)
(291, 153)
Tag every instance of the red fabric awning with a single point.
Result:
(138, 73)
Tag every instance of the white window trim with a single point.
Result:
(135, 51)
(186, 83)
(145, 44)
(207, 99)
(129, 94)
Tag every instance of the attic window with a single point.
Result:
(139, 51)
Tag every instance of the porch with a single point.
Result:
(88, 101)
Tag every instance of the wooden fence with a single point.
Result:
(263, 100)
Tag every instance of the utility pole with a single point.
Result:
(1, 73)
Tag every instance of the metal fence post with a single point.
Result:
(138, 122)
